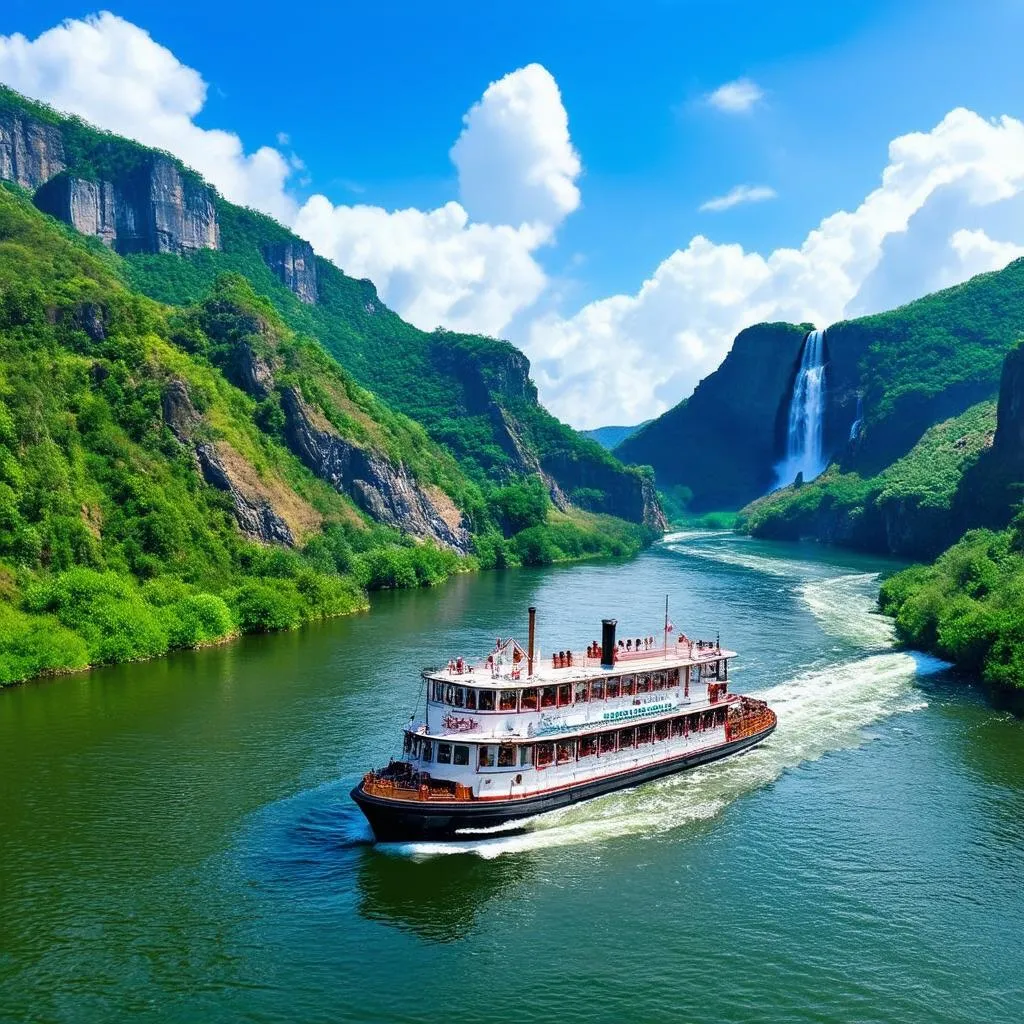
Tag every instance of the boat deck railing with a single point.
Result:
(390, 784)
(749, 718)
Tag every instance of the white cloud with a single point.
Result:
(112, 73)
(470, 267)
(736, 195)
(515, 161)
(738, 97)
(624, 358)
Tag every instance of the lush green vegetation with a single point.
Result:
(969, 606)
(908, 508)
(112, 547)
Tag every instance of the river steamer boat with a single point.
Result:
(514, 735)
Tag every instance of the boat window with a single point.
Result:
(547, 696)
(672, 679)
(407, 745)
(471, 700)
(506, 756)
(564, 695)
(643, 683)
(613, 689)
(626, 738)
(507, 700)
(438, 691)
(485, 701)
(461, 754)
(525, 756)
(588, 746)
(643, 734)
(545, 754)
(529, 701)
(628, 683)
(449, 694)
(416, 747)
(565, 750)
(487, 757)
(658, 681)
(597, 689)
(607, 743)
(582, 693)
(427, 754)
(444, 753)
(460, 697)
(661, 730)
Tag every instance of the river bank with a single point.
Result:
(180, 844)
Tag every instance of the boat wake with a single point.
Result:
(820, 710)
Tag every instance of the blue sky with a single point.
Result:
(372, 97)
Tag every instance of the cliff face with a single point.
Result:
(295, 266)
(30, 152)
(381, 488)
(721, 443)
(151, 209)
(256, 516)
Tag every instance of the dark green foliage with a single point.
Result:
(521, 505)
(968, 607)
(907, 509)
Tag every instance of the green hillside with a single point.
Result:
(154, 493)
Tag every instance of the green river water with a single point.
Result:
(177, 843)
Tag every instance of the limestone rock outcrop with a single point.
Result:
(383, 489)
(31, 152)
(295, 266)
(153, 208)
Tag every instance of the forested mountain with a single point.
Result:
(907, 369)
(204, 429)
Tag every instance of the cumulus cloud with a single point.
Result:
(738, 97)
(114, 74)
(624, 358)
(467, 265)
(737, 195)
(515, 161)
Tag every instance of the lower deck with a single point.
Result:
(493, 771)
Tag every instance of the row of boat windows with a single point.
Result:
(542, 755)
(533, 698)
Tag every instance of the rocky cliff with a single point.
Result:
(254, 513)
(382, 489)
(295, 266)
(721, 443)
(153, 208)
(31, 152)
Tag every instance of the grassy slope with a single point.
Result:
(968, 607)
(111, 546)
(905, 509)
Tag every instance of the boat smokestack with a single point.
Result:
(608, 642)
(533, 632)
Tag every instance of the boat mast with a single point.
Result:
(666, 626)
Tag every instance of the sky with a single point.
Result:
(618, 188)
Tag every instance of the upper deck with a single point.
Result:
(499, 668)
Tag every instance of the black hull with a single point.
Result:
(402, 820)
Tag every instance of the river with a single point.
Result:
(177, 843)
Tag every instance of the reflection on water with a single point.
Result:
(437, 898)
(177, 843)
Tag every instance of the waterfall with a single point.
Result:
(858, 420)
(805, 431)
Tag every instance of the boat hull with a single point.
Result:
(409, 820)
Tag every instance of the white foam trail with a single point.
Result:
(684, 535)
(846, 607)
(818, 712)
(790, 569)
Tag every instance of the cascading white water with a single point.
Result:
(858, 420)
(805, 433)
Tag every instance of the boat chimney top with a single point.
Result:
(608, 642)
(530, 648)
